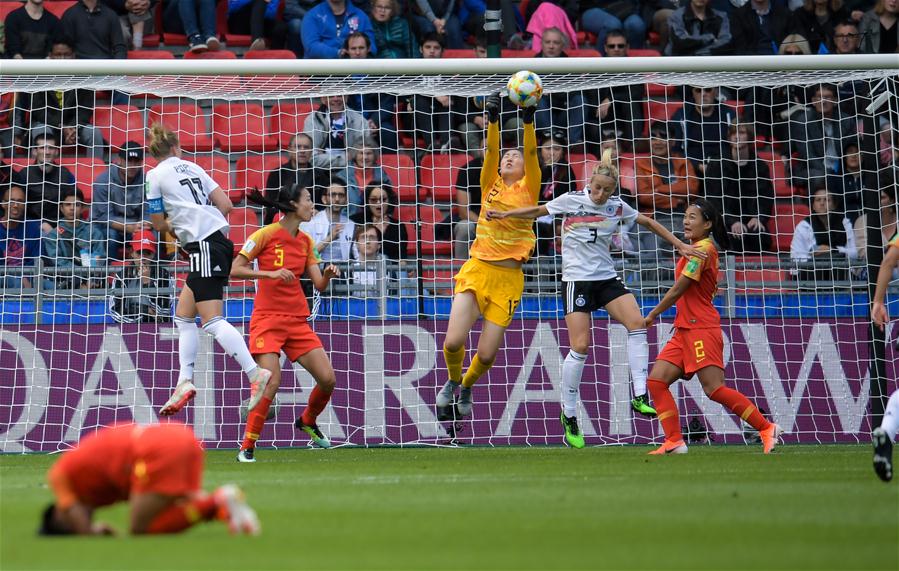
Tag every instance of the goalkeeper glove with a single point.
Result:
(492, 107)
(527, 114)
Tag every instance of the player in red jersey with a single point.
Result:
(157, 469)
(283, 253)
(698, 345)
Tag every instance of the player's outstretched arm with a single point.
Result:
(242, 270)
(879, 313)
(685, 249)
(677, 290)
(321, 279)
(527, 212)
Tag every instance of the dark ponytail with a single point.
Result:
(277, 200)
(711, 214)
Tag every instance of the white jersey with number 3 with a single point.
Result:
(184, 189)
(587, 230)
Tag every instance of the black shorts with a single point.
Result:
(210, 265)
(587, 297)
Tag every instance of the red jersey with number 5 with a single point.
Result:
(274, 248)
(695, 309)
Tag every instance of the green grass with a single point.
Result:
(804, 507)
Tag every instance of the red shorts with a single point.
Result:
(168, 460)
(276, 333)
(694, 349)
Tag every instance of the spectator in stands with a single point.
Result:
(700, 126)
(437, 16)
(665, 183)
(432, 113)
(815, 20)
(118, 198)
(468, 199)
(294, 12)
(759, 26)
(141, 274)
(95, 29)
(259, 19)
(364, 170)
(471, 16)
(393, 36)
(614, 112)
(331, 229)
(562, 110)
(326, 27)
(5, 170)
(76, 242)
(601, 16)
(297, 169)
(888, 227)
(847, 184)
(879, 28)
(137, 19)
(44, 180)
(846, 39)
(697, 30)
(20, 239)
(557, 178)
(656, 14)
(379, 109)
(826, 235)
(818, 133)
(335, 131)
(740, 186)
(66, 113)
(380, 206)
(367, 248)
(795, 45)
(196, 19)
(30, 31)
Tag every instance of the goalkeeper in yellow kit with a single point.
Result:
(491, 282)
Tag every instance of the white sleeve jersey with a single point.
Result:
(184, 189)
(587, 230)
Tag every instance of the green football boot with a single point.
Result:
(641, 405)
(573, 436)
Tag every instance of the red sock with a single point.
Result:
(182, 515)
(318, 400)
(666, 409)
(255, 422)
(740, 406)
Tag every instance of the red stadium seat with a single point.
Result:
(220, 54)
(660, 111)
(438, 175)
(150, 54)
(779, 176)
(643, 52)
(253, 169)
(582, 166)
(218, 167)
(187, 120)
(400, 168)
(459, 54)
(7, 7)
(288, 119)
(243, 222)
(782, 226)
(238, 127)
(270, 54)
(768, 280)
(221, 23)
(86, 172)
(583, 52)
(58, 7)
(120, 124)
(429, 217)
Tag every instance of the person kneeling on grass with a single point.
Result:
(157, 469)
(698, 344)
(280, 320)
(883, 436)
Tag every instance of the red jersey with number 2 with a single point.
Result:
(695, 309)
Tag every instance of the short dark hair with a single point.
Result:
(50, 524)
(62, 38)
(480, 40)
(660, 129)
(434, 37)
(847, 22)
(71, 190)
(357, 34)
(617, 33)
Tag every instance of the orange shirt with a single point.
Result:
(652, 192)
(694, 308)
(274, 248)
(509, 238)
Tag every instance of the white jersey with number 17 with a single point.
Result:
(184, 188)
(587, 230)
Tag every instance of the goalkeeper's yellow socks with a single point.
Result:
(454, 363)
(255, 422)
(475, 371)
(183, 514)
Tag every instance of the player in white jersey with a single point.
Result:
(184, 200)
(590, 218)
(883, 435)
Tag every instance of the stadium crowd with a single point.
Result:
(396, 178)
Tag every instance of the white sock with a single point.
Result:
(188, 340)
(231, 341)
(638, 359)
(890, 423)
(572, 371)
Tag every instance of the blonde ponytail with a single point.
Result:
(605, 167)
(162, 141)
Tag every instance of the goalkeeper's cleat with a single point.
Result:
(247, 455)
(258, 381)
(314, 433)
(670, 447)
(233, 509)
(883, 454)
(573, 436)
(183, 394)
(463, 407)
(641, 405)
(444, 402)
(770, 437)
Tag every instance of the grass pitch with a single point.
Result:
(803, 507)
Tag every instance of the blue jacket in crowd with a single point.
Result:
(322, 39)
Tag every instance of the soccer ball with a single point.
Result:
(525, 88)
(272, 410)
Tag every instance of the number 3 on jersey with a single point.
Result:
(279, 257)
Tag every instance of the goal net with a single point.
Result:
(800, 154)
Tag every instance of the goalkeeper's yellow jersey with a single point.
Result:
(508, 238)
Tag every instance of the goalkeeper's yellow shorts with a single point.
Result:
(498, 289)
